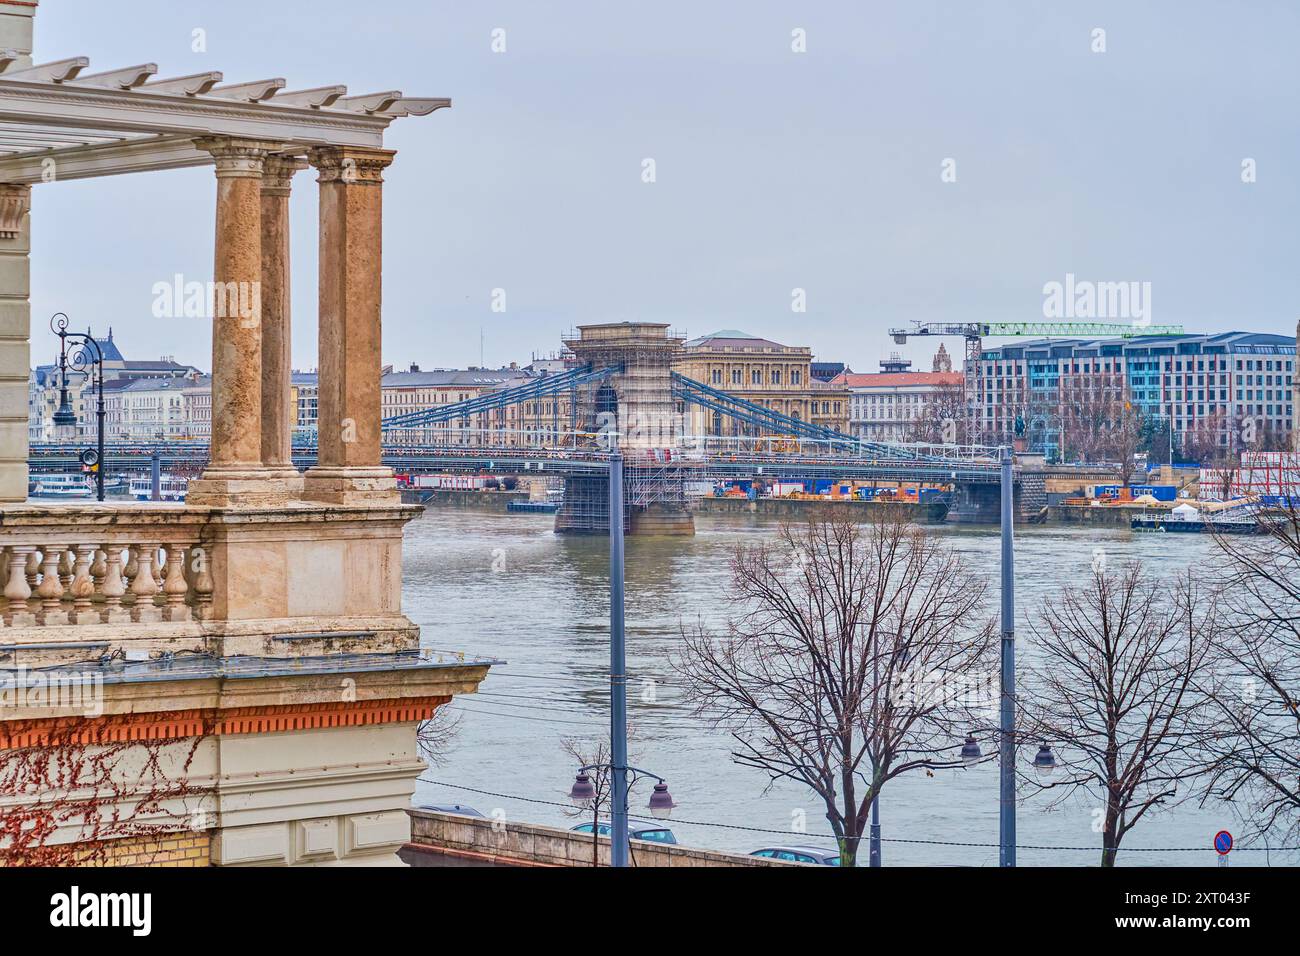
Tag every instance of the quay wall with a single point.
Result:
(472, 500)
(448, 839)
(803, 509)
(1100, 517)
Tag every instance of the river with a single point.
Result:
(504, 586)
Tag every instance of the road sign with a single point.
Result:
(1223, 842)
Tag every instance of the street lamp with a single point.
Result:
(86, 355)
(970, 752)
(1007, 716)
(583, 791)
(1044, 760)
(661, 802)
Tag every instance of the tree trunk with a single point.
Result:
(1109, 836)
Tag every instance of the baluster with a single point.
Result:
(5, 557)
(158, 566)
(50, 590)
(97, 569)
(17, 590)
(66, 567)
(131, 570)
(200, 569)
(32, 567)
(83, 587)
(144, 586)
(176, 587)
(114, 587)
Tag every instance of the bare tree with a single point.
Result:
(1208, 440)
(943, 418)
(1115, 685)
(854, 654)
(1098, 421)
(435, 737)
(1257, 697)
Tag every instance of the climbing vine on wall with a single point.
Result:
(71, 780)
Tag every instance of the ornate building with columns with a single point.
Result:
(230, 680)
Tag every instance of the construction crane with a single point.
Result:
(975, 332)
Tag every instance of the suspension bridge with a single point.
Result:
(620, 392)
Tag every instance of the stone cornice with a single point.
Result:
(203, 722)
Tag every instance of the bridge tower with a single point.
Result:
(636, 404)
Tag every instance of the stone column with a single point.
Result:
(349, 469)
(277, 353)
(15, 329)
(235, 474)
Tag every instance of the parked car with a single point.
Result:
(458, 808)
(800, 854)
(636, 830)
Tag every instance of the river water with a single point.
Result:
(504, 586)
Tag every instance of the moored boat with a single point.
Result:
(61, 486)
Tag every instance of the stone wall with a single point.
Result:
(482, 841)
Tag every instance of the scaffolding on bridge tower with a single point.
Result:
(636, 408)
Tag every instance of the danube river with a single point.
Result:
(504, 586)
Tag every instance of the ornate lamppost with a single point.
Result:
(87, 358)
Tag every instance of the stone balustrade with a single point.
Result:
(104, 581)
(300, 580)
(77, 566)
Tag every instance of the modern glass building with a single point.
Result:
(1183, 381)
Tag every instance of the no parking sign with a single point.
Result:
(1223, 846)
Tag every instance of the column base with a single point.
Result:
(351, 486)
(224, 488)
(289, 475)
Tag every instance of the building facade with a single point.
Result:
(46, 383)
(897, 406)
(778, 377)
(1234, 387)
(415, 390)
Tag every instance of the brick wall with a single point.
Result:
(182, 848)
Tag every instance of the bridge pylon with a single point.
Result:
(635, 407)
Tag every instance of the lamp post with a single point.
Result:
(617, 666)
(1007, 722)
(584, 789)
(86, 355)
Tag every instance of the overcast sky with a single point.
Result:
(774, 170)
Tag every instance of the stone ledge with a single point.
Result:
(531, 844)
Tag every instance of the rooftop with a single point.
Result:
(734, 338)
(897, 379)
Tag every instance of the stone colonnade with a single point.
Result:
(249, 461)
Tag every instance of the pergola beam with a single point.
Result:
(140, 111)
(58, 123)
(56, 72)
(124, 79)
(143, 154)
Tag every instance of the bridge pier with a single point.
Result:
(649, 509)
(981, 502)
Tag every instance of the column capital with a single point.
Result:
(278, 173)
(352, 165)
(237, 158)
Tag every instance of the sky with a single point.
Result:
(894, 161)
